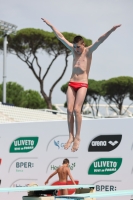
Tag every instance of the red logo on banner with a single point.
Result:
(70, 191)
(0, 161)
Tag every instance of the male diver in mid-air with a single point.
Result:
(78, 83)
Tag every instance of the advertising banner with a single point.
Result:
(30, 152)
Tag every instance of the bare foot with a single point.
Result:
(69, 142)
(75, 144)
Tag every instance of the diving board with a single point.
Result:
(96, 195)
(33, 188)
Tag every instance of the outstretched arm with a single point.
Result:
(59, 35)
(50, 177)
(70, 176)
(102, 38)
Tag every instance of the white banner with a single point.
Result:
(30, 152)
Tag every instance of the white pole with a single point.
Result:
(4, 67)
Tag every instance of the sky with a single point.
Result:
(89, 18)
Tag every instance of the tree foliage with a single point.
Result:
(113, 91)
(26, 45)
(14, 93)
(32, 99)
(131, 95)
(94, 94)
(64, 87)
(116, 90)
(18, 97)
